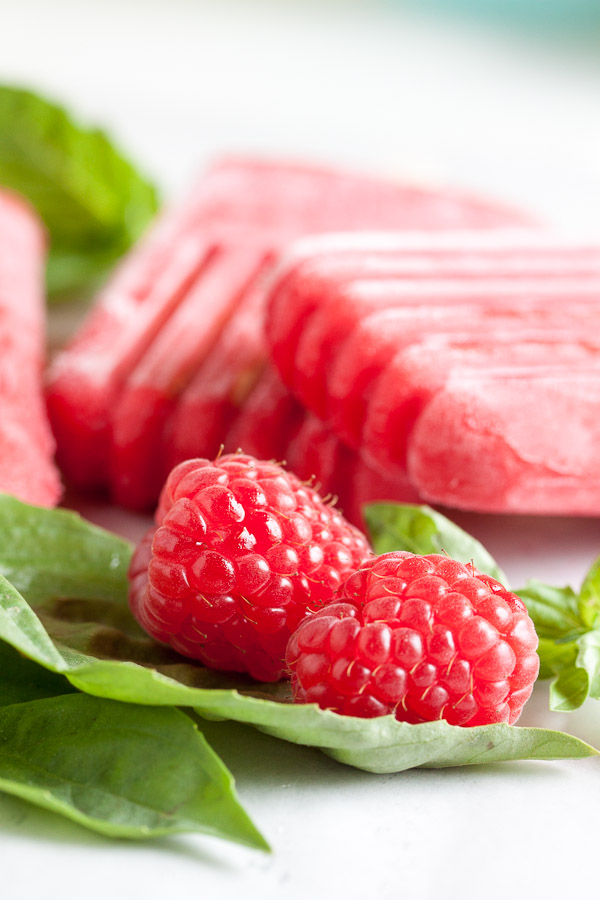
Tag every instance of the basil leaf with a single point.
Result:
(568, 648)
(92, 200)
(437, 745)
(21, 628)
(95, 642)
(569, 690)
(71, 273)
(588, 659)
(124, 771)
(555, 611)
(578, 671)
(422, 530)
(589, 597)
(55, 553)
(376, 745)
(554, 657)
(21, 679)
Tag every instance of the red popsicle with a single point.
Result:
(109, 397)
(417, 373)
(26, 446)
(508, 442)
(381, 356)
(331, 294)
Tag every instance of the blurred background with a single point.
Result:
(501, 96)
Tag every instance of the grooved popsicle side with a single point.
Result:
(126, 398)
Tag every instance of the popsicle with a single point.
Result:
(316, 453)
(379, 356)
(149, 394)
(268, 420)
(27, 470)
(363, 365)
(502, 442)
(273, 424)
(421, 370)
(326, 297)
(113, 392)
(208, 407)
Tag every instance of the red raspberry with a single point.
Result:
(241, 551)
(422, 637)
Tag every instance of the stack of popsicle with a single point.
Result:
(26, 445)
(173, 363)
(467, 363)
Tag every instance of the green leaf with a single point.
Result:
(437, 745)
(124, 771)
(422, 530)
(589, 597)
(569, 690)
(555, 611)
(55, 553)
(21, 679)
(578, 674)
(568, 648)
(92, 200)
(163, 679)
(20, 627)
(554, 657)
(72, 274)
(588, 659)
(95, 642)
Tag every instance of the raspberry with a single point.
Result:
(422, 637)
(240, 552)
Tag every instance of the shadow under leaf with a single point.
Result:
(107, 631)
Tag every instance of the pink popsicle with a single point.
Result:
(108, 397)
(417, 373)
(508, 443)
(27, 470)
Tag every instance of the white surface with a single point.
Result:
(180, 82)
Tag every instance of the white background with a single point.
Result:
(382, 89)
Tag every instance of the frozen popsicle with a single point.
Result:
(273, 424)
(27, 470)
(326, 299)
(208, 407)
(358, 371)
(149, 395)
(113, 392)
(421, 370)
(268, 420)
(374, 352)
(315, 452)
(502, 442)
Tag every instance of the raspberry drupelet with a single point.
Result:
(241, 550)
(422, 637)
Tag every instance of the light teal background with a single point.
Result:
(574, 15)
